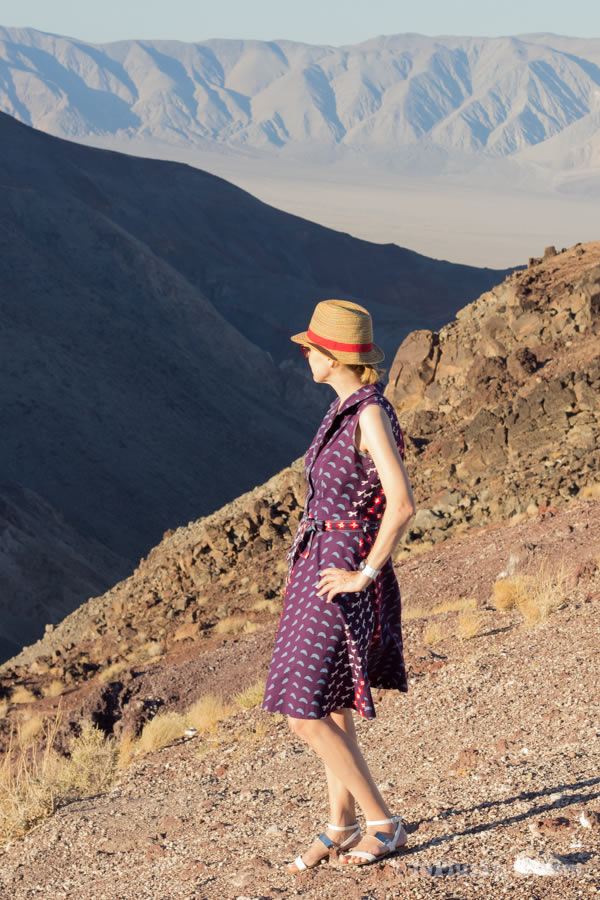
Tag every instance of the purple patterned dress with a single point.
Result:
(328, 656)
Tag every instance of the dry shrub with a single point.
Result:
(506, 592)
(535, 596)
(206, 713)
(163, 729)
(35, 782)
(29, 729)
(92, 764)
(270, 606)
(3, 707)
(54, 689)
(153, 648)
(111, 672)
(433, 634)
(29, 791)
(21, 694)
(459, 605)
(414, 612)
(252, 696)
(469, 625)
(235, 625)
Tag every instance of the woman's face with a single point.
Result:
(319, 363)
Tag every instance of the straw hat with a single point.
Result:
(343, 330)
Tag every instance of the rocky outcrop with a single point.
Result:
(501, 407)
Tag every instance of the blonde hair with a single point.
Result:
(367, 374)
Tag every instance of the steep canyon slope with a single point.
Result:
(146, 309)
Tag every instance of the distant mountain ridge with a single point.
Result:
(457, 95)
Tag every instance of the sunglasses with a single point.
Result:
(305, 349)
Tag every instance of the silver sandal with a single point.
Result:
(389, 841)
(329, 844)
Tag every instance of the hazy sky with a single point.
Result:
(313, 21)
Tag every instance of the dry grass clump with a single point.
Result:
(252, 696)
(54, 689)
(270, 606)
(235, 625)
(414, 611)
(206, 713)
(3, 707)
(92, 765)
(28, 729)
(535, 596)
(111, 672)
(34, 782)
(433, 634)
(469, 625)
(163, 729)
(459, 605)
(21, 694)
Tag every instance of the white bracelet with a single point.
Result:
(368, 570)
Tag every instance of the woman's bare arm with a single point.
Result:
(377, 438)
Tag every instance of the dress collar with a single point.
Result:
(367, 390)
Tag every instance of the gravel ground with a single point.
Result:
(492, 757)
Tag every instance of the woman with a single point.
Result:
(340, 633)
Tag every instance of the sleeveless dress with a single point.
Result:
(328, 656)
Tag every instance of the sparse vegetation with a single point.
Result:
(34, 782)
(414, 611)
(163, 729)
(21, 694)
(270, 606)
(459, 605)
(535, 596)
(206, 713)
(92, 764)
(235, 625)
(3, 707)
(252, 696)
(29, 729)
(469, 625)
(111, 672)
(54, 689)
(433, 634)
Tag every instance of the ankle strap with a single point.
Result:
(393, 821)
(341, 827)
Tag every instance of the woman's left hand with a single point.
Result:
(340, 581)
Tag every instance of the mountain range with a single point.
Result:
(439, 96)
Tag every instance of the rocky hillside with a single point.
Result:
(502, 406)
(146, 310)
(500, 410)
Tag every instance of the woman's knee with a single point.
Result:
(302, 728)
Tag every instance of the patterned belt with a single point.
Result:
(311, 526)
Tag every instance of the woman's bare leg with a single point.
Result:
(342, 809)
(341, 754)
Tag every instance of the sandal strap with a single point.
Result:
(300, 864)
(362, 854)
(393, 821)
(342, 827)
(325, 839)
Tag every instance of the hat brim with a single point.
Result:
(352, 357)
